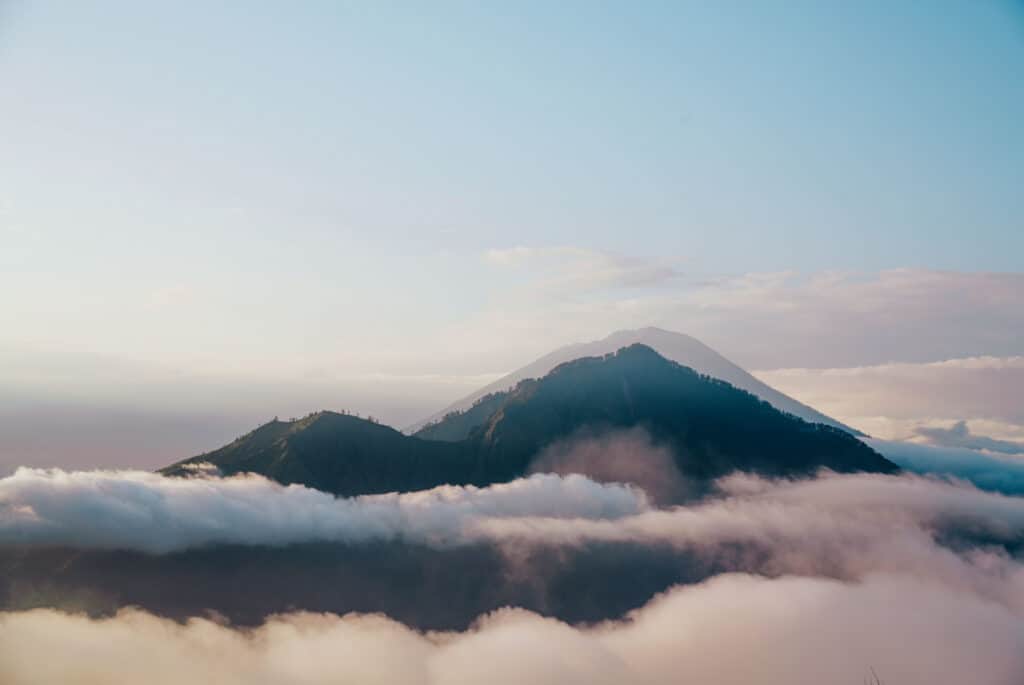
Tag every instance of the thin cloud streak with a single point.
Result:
(924, 402)
(569, 269)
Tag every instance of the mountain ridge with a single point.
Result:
(711, 427)
(678, 347)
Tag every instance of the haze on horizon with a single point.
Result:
(213, 215)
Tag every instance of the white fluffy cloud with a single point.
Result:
(151, 513)
(850, 525)
(857, 575)
(731, 630)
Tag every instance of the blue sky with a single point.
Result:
(339, 191)
(741, 136)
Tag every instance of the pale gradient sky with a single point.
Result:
(211, 214)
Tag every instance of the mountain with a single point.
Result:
(339, 453)
(710, 426)
(675, 346)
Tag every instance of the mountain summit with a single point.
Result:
(710, 427)
(677, 347)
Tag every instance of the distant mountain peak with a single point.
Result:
(678, 347)
(709, 426)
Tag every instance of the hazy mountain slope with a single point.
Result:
(711, 427)
(458, 425)
(675, 346)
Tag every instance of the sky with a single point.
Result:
(211, 215)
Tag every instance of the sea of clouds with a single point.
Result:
(148, 512)
(918, 577)
(734, 629)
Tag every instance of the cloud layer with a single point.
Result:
(921, 401)
(731, 630)
(989, 471)
(622, 456)
(915, 577)
(762, 320)
(576, 269)
(810, 526)
(150, 513)
(960, 435)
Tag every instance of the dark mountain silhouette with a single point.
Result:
(339, 453)
(708, 426)
(677, 347)
(711, 427)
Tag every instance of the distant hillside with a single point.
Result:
(339, 453)
(457, 425)
(711, 427)
(677, 347)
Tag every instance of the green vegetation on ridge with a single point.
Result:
(711, 427)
